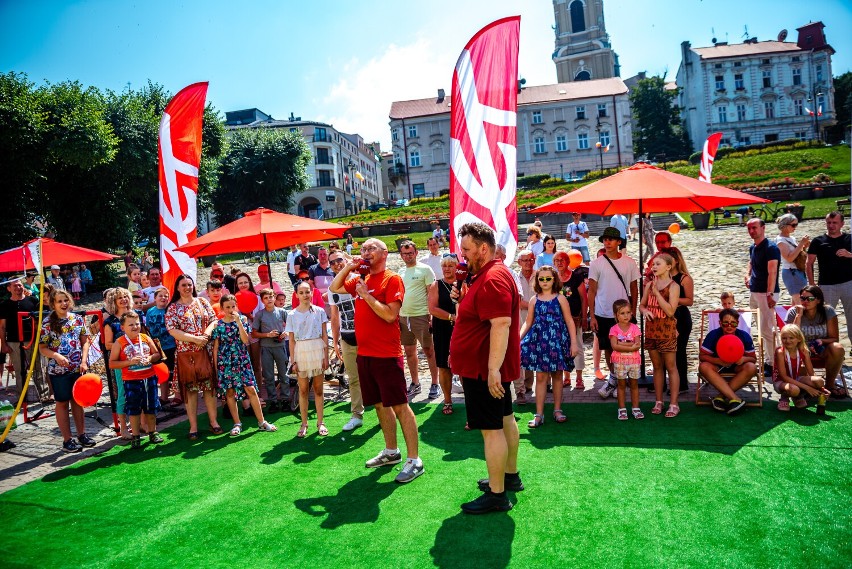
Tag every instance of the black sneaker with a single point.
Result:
(719, 404)
(136, 442)
(510, 482)
(273, 407)
(488, 502)
(155, 438)
(86, 440)
(71, 446)
(767, 370)
(735, 405)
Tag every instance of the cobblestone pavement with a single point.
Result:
(716, 258)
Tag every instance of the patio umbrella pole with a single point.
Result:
(268, 266)
(639, 300)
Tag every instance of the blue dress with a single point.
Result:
(547, 346)
(234, 362)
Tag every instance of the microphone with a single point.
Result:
(364, 269)
(461, 276)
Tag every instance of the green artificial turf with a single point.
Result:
(764, 489)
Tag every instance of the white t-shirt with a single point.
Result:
(291, 262)
(306, 325)
(610, 288)
(790, 242)
(536, 247)
(434, 262)
(575, 230)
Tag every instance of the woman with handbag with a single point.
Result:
(187, 320)
(793, 256)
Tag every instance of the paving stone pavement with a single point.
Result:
(716, 258)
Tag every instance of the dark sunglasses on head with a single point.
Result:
(809, 298)
(545, 279)
(449, 256)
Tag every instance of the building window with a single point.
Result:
(324, 177)
(395, 135)
(539, 145)
(601, 109)
(723, 114)
(419, 190)
(741, 112)
(767, 78)
(819, 72)
(764, 61)
(738, 64)
(414, 157)
(802, 135)
(798, 107)
(720, 82)
(438, 155)
(578, 18)
(821, 108)
(739, 84)
(559, 115)
(724, 142)
(294, 129)
(583, 76)
(797, 76)
(581, 112)
(770, 138)
(320, 135)
(561, 143)
(604, 138)
(436, 127)
(536, 117)
(717, 66)
(796, 58)
(746, 140)
(769, 109)
(583, 141)
(412, 131)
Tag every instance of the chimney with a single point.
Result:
(441, 95)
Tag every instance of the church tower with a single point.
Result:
(583, 50)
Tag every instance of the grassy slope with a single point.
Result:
(764, 489)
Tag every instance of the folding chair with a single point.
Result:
(710, 321)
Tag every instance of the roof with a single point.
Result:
(529, 95)
(745, 49)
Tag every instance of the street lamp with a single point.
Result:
(599, 146)
(561, 172)
(351, 168)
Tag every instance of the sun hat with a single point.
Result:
(612, 233)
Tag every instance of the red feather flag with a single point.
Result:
(179, 150)
(483, 151)
(711, 145)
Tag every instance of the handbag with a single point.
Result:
(194, 367)
(801, 260)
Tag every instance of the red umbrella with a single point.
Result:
(262, 230)
(53, 253)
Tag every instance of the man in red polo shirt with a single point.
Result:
(487, 336)
(378, 298)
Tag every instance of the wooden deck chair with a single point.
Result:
(710, 321)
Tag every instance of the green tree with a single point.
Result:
(657, 127)
(262, 167)
(843, 107)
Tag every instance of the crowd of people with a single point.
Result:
(479, 324)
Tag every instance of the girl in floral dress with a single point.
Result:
(548, 341)
(231, 359)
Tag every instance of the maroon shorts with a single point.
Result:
(382, 380)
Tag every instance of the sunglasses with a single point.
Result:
(793, 224)
(729, 324)
(449, 256)
(545, 279)
(217, 275)
(808, 298)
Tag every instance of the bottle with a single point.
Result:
(820, 409)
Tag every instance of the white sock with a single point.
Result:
(416, 460)
(390, 451)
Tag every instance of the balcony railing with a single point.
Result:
(324, 160)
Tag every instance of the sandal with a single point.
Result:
(217, 430)
(637, 413)
(322, 430)
(622, 414)
(193, 436)
(537, 421)
(268, 427)
(303, 430)
(838, 392)
(238, 428)
(466, 426)
(673, 411)
(784, 405)
(448, 409)
(801, 403)
(579, 385)
(658, 408)
(559, 416)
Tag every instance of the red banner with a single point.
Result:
(179, 150)
(483, 152)
(711, 145)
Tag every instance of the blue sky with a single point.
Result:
(344, 62)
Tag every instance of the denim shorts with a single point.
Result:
(794, 280)
(141, 396)
(63, 386)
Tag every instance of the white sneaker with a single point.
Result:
(606, 391)
(353, 424)
(409, 472)
(457, 385)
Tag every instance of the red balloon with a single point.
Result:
(87, 389)
(246, 301)
(161, 370)
(575, 259)
(730, 348)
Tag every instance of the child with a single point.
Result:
(281, 300)
(156, 319)
(268, 326)
(143, 280)
(309, 353)
(316, 295)
(133, 353)
(625, 339)
(65, 343)
(712, 366)
(548, 342)
(659, 303)
(76, 285)
(139, 300)
(214, 294)
(133, 278)
(230, 337)
(727, 300)
(794, 373)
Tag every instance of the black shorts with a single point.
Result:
(483, 410)
(604, 326)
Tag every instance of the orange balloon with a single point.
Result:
(575, 258)
(87, 389)
(674, 228)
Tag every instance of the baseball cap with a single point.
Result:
(54, 267)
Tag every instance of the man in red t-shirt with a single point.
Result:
(378, 298)
(487, 328)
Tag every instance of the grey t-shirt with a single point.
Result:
(811, 328)
(267, 321)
